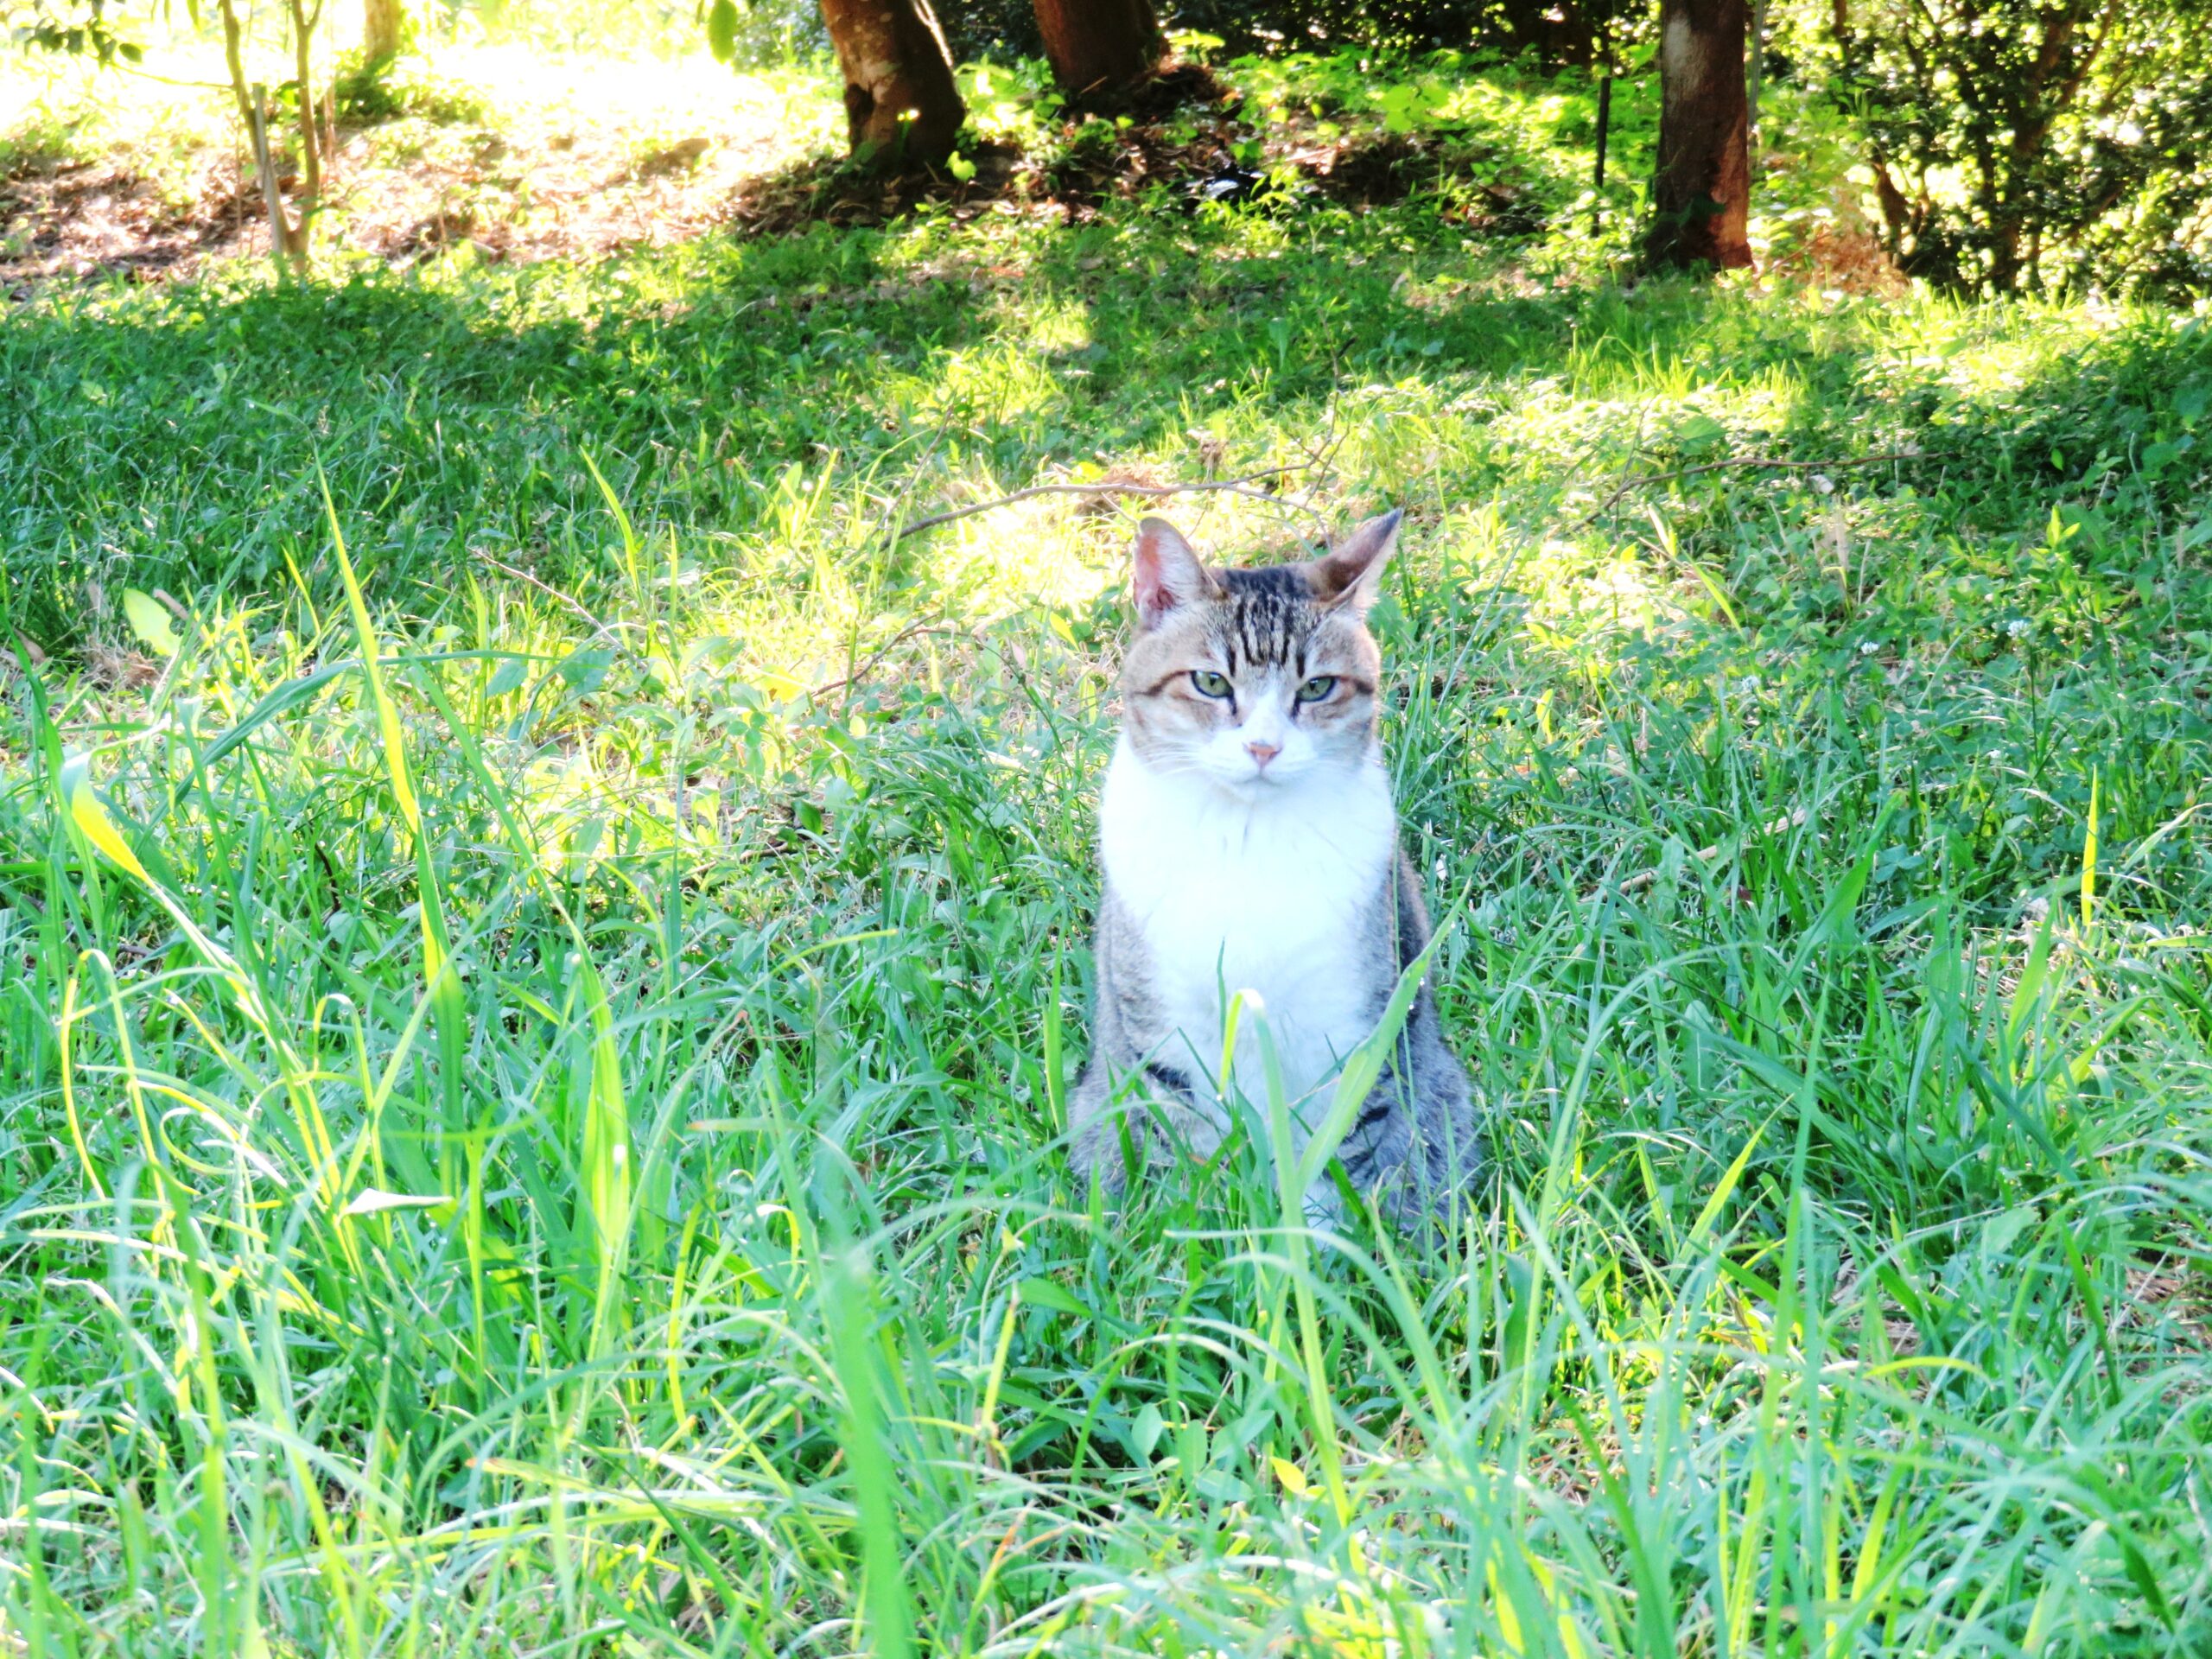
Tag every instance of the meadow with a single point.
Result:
(545, 919)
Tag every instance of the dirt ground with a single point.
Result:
(545, 162)
(498, 156)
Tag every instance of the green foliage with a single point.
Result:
(78, 30)
(371, 90)
(721, 30)
(2029, 145)
(534, 1059)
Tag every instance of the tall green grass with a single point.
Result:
(532, 1115)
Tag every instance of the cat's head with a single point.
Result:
(1253, 680)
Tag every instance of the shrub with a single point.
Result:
(2036, 144)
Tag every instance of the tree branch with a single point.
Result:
(1109, 487)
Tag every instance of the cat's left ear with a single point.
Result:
(1351, 572)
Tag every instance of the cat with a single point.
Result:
(1248, 842)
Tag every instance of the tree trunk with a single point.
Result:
(380, 27)
(900, 104)
(1701, 195)
(1101, 48)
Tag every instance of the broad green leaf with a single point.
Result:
(90, 817)
(1145, 1431)
(149, 622)
(508, 676)
(721, 30)
(586, 669)
(1699, 433)
(1049, 1292)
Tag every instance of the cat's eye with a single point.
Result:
(1213, 684)
(1317, 688)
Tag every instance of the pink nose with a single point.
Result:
(1263, 753)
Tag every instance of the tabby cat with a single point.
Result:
(1250, 844)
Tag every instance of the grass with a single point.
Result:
(532, 1110)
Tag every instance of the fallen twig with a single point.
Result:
(1788, 821)
(559, 598)
(1113, 487)
(878, 657)
(1744, 462)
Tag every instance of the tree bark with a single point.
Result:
(1100, 49)
(1701, 195)
(380, 28)
(901, 103)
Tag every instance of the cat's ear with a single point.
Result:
(1166, 573)
(1349, 573)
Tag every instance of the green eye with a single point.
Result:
(1317, 688)
(1213, 684)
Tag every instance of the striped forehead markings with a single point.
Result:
(1270, 612)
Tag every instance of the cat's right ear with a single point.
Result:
(1165, 573)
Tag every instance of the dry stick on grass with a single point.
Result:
(876, 658)
(1106, 487)
(1750, 463)
(559, 598)
(1788, 821)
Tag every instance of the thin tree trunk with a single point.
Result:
(303, 23)
(1605, 71)
(381, 22)
(287, 241)
(234, 61)
(1100, 49)
(900, 102)
(1701, 195)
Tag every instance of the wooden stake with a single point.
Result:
(279, 231)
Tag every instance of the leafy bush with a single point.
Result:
(369, 89)
(2031, 145)
(1001, 29)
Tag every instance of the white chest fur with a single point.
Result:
(1268, 892)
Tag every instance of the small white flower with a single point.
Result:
(1868, 647)
(1824, 484)
(2019, 627)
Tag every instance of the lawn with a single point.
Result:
(546, 924)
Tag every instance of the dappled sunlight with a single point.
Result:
(1577, 602)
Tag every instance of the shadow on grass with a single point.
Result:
(171, 439)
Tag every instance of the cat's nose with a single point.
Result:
(1263, 753)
